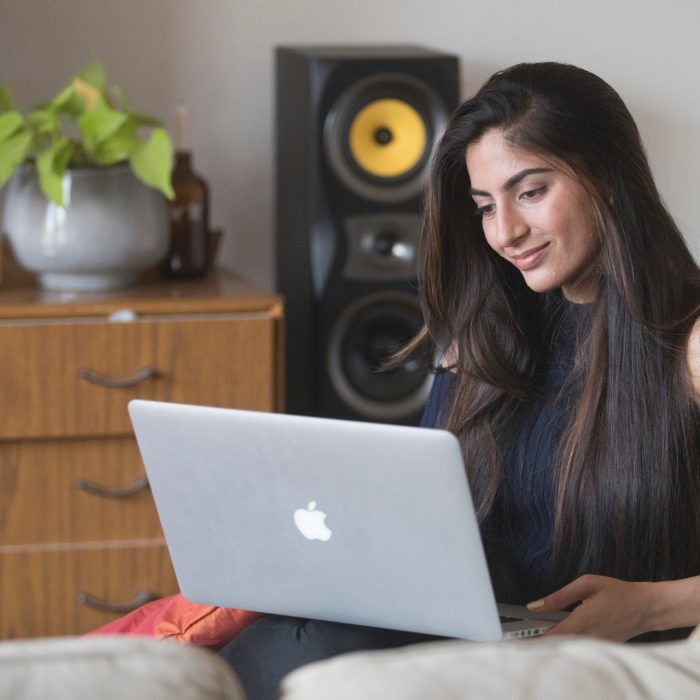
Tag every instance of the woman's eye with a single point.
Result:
(485, 210)
(531, 195)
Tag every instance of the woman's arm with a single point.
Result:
(619, 610)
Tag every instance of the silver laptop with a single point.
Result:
(351, 522)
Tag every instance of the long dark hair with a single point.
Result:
(627, 498)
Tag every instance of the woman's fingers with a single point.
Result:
(579, 589)
(610, 608)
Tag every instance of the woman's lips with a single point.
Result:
(530, 258)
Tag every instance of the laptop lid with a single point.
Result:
(353, 522)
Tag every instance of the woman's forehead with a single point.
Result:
(494, 157)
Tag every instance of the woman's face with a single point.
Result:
(538, 217)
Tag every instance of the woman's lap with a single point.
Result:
(266, 651)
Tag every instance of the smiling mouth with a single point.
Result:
(529, 258)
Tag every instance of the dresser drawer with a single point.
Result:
(75, 379)
(74, 491)
(40, 592)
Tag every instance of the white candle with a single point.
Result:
(182, 127)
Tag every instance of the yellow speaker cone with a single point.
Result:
(387, 137)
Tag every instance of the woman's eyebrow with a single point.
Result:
(512, 181)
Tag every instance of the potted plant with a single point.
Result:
(84, 206)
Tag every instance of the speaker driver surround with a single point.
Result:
(366, 334)
(379, 134)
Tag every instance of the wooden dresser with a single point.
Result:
(80, 541)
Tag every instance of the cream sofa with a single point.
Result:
(132, 668)
(112, 668)
(571, 668)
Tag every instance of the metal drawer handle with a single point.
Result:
(101, 380)
(141, 598)
(140, 484)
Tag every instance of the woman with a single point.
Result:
(566, 303)
(567, 300)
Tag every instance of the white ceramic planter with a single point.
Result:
(111, 228)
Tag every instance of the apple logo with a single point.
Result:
(311, 523)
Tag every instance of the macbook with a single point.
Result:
(362, 523)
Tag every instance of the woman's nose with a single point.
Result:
(510, 226)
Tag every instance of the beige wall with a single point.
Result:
(218, 55)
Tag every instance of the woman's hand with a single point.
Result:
(610, 608)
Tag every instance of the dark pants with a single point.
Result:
(272, 647)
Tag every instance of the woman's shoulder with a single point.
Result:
(437, 399)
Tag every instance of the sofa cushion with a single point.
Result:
(112, 668)
(574, 668)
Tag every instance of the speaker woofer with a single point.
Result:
(379, 134)
(367, 333)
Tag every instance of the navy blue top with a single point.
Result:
(517, 534)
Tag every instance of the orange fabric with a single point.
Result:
(203, 625)
(177, 619)
(138, 622)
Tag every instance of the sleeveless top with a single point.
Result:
(517, 534)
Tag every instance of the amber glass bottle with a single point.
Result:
(189, 211)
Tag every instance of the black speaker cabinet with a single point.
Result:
(355, 130)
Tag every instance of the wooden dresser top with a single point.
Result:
(219, 292)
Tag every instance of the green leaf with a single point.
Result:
(145, 119)
(119, 146)
(49, 181)
(7, 102)
(89, 96)
(66, 102)
(93, 74)
(59, 102)
(152, 162)
(64, 156)
(51, 164)
(97, 125)
(83, 92)
(43, 121)
(118, 99)
(12, 152)
(9, 123)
